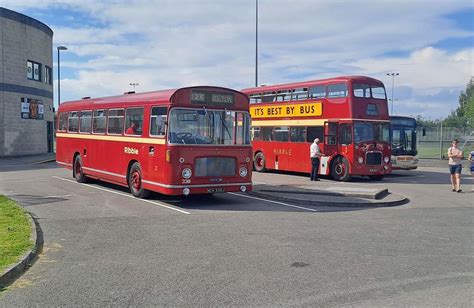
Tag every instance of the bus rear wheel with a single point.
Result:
(78, 171)
(135, 182)
(259, 162)
(340, 169)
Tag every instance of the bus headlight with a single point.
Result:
(243, 188)
(243, 172)
(360, 160)
(186, 173)
(386, 159)
(186, 191)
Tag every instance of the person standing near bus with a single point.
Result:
(315, 155)
(455, 166)
(471, 160)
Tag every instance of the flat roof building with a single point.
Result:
(26, 85)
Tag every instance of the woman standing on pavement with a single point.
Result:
(455, 166)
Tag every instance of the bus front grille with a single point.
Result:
(373, 159)
(215, 166)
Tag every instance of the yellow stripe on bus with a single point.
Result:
(112, 138)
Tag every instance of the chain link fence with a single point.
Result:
(434, 141)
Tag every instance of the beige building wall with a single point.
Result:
(24, 39)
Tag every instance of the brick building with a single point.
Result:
(26, 85)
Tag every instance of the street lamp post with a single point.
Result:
(134, 84)
(59, 73)
(393, 86)
(256, 43)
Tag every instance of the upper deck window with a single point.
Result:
(317, 92)
(337, 90)
(367, 91)
(268, 97)
(282, 96)
(255, 98)
(299, 94)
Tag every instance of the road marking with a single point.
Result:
(276, 202)
(125, 195)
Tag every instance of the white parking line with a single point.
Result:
(276, 202)
(125, 195)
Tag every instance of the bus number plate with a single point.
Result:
(373, 170)
(215, 190)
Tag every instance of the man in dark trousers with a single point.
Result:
(315, 154)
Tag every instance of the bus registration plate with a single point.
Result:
(373, 170)
(215, 190)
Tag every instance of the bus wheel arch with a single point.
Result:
(259, 162)
(77, 168)
(135, 180)
(340, 169)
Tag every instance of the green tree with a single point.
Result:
(464, 114)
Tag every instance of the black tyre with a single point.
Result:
(78, 170)
(135, 182)
(259, 162)
(377, 177)
(340, 169)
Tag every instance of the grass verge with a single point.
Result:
(15, 232)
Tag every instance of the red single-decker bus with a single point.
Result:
(185, 141)
(348, 114)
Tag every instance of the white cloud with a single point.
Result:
(170, 43)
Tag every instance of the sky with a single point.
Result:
(163, 44)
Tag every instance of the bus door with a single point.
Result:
(345, 138)
(330, 138)
(330, 146)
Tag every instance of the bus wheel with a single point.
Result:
(259, 162)
(377, 177)
(340, 169)
(78, 172)
(135, 182)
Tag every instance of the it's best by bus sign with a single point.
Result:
(290, 110)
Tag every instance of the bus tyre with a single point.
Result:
(259, 162)
(340, 169)
(78, 171)
(377, 177)
(135, 181)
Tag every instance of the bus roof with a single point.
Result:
(144, 97)
(305, 84)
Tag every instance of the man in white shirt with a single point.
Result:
(315, 155)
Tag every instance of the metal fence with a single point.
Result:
(433, 142)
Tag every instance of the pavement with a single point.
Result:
(103, 247)
(12, 161)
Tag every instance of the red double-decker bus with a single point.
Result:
(185, 141)
(348, 114)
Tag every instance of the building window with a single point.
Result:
(33, 70)
(47, 75)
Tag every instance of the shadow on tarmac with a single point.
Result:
(29, 167)
(226, 202)
(398, 176)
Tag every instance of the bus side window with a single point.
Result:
(266, 133)
(134, 121)
(297, 134)
(158, 121)
(115, 122)
(62, 126)
(345, 134)
(313, 132)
